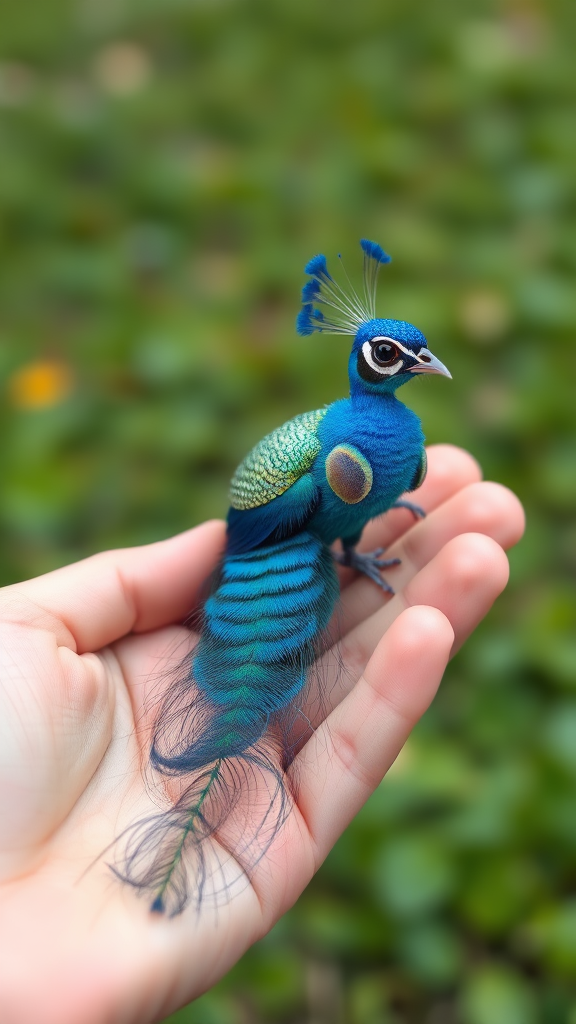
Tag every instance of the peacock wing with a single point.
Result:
(277, 462)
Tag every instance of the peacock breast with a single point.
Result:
(369, 457)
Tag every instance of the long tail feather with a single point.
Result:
(195, 813)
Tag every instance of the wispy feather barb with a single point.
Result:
(168, 855)
(374, 257)
(350, 311)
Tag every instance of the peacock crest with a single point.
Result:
(349, 310)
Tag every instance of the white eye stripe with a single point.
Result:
(384, 371)
(392, 341)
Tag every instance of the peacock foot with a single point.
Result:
(369, 563)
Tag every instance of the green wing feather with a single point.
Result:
(277, 461)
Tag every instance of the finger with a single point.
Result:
(486, 508)
(449, 470)
(349, 754)
(96, 601)
(462, 581)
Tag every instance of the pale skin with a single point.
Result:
(80, 650)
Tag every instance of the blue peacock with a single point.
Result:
(231, 716)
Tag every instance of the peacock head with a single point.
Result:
(385, 353)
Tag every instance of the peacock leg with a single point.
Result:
(369, 563)
(416, 511)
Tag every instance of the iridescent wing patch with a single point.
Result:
(277, 461)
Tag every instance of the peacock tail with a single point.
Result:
(229, 719)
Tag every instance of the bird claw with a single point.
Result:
(369, 564)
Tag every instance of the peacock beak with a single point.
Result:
(428, 363)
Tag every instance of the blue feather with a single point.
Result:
(318, 267)
(311, 290)
(310, 319)
(266, 524)
(304, 323)
(374, 251)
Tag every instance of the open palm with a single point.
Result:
(82, 648)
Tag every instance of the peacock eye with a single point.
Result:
(384, 353)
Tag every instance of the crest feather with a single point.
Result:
(318, 267)
(350, 311)
(374, 251)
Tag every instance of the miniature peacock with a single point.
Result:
(229, 719)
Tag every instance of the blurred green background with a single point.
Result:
(166, 168)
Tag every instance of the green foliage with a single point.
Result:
(167, 168)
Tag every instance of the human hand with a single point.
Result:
(80, 650)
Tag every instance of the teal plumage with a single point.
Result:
(257, 644)
(229, 719)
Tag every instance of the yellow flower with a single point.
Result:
(40, 385)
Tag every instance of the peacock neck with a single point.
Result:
(367, 403)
